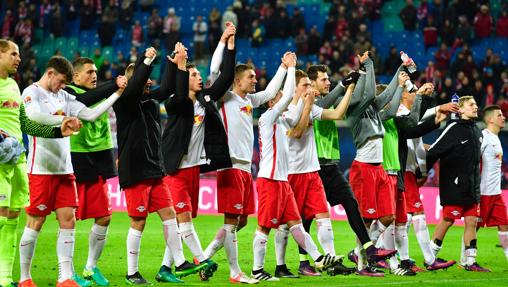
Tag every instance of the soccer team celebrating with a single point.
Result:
(210, 128)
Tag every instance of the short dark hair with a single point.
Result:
(189, 66)
(240, 68)
(487, 111)
(80, 62)
(313, 70)
(299, 74)
(4, 45)
(61, 65)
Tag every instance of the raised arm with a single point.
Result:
(218, 53)
(386, 96)
(91, 114)
(93, 96)
(227, 74)
(167, 87)
(272, 88)
(390, 110)
(335, 96)
(135, 88)
(181, 79)
(339, 112)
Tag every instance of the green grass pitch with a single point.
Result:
(114, 264)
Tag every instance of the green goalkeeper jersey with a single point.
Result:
(327, 141)
(13, 119)
(93, 136)
(391, 147)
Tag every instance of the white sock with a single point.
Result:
(470, 254)
(231, 247)
(325, 235)
(410, 220)
(96, 242)
(389, 243)
(65, 252)
(304, 240)
(360, 252)
(173, 241)
(422, 235)
(26, 252)
(503, 239)
(190, 237)
(281, 241)
(133, 243)
(216, 244)
(401, 241)
(435, 248)
(259, 248)
(168, 257)
(376, 229)
(463, 260)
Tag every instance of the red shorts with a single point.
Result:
(276, 203)
(184, 188)
(94, 199)
(235, 192)
(492, 211)
(457, 211)
(147, 196)
(412, 193)
(309, 193)
(371, 187)
(50, 192)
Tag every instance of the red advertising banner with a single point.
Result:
(208, 202)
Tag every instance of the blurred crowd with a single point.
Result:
(453, 26)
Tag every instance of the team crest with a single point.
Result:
(198, 119)
(274, 220)
(246, 109)
(41, 207)
(455, 213)
(180, 205)
(141, 208)
(371, 211)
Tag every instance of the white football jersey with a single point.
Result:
(196, 152)
(236, 114)
(302, 151)
(50, 156)
(492, 158)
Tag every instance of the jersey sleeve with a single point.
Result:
(74, 106)
(316, 112)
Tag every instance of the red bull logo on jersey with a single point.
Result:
(59, 113)
(246, 109)
(27, 100)
(198, 119)
(9, 104)
(499, 156)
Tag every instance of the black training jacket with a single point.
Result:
(138, 126)
(180, 109)
(458, 149)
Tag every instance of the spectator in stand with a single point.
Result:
(107, 30)
(137, 34)
(297, 21)
(214, 29)
(335, 61)
(478, 93)
(341, 27)
(437, 11)
(448, 33)
(314, 41)
(229, 16)
(200, 28)
(154, 26)
(469, 67)
(97, 58)
(326, 50)
(490, 96)
(126, 13)
(363, 33)
(71, 11)
(8, 25)
(133, 55)
(483, 23)
(442, 57)
(464, 31)
(376, 59)
(301, 42)
(429, 72)
(465, 87)
(408, 16)
(23, 31)
(430, 33)
(56, 23)
(422, 13)
(171, 29)
(111, 11)
(446, 92)
(281, 21)
(121, 61)
(87, 16)
(22, 10)
(257, 34)
(393, 61)
(502, 25)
